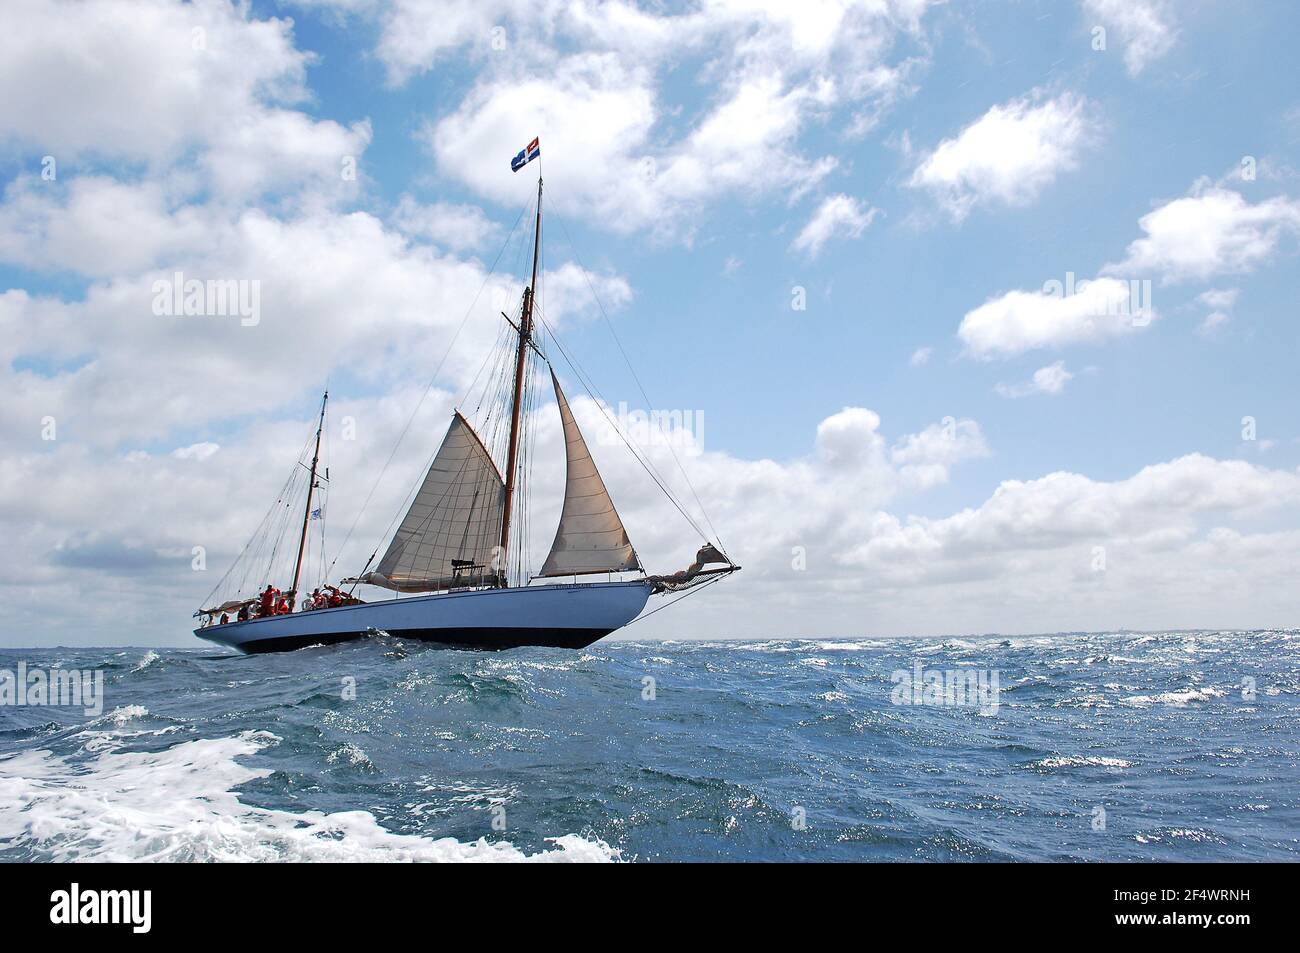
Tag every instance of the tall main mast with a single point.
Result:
(311, 485)
(525, 336)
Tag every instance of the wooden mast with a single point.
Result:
(525, 334)
(311, 485)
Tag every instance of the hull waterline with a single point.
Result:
(562, 616)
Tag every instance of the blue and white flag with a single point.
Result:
(526, 155)
(315, 514)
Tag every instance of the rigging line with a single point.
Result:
(609, 324)
(262, 527)
(445, 354)
(688, 592)
(602, 404)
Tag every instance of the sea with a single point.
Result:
(1170, 746)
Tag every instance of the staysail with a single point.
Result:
(590, 537)
(449, 535)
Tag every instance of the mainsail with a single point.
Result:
(590, 537)
(449, 535)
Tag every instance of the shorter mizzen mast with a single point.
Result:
(311, 485)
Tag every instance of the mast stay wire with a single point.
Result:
(599, 400)
(610, 325)
(261, 533)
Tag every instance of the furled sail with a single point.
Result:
(590, 537)
(450, 533)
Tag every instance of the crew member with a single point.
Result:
(266, 604)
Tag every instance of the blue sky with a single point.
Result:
(947, 443)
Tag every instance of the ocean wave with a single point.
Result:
(179, 805)
(1079, 761)
(1177, 699)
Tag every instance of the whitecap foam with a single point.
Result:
(1176, 699)
(1077, 761)
(350, 754)
(146, 660)
(179, 805)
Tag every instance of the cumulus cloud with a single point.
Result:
(453, 226)
(1211, 232)
(626, 152)
(196, 451)
(1008, 155)
(1145, 27)
(838, 216)
(1220, 301)
(149, 81)
(1175, 537)
(334, 289)
(594, 117)
(97, 226)
(926, 459)
(1021, 321)
(1046, 380)
(1206, 234)
(921, 356)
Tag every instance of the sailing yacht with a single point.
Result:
(448, 564)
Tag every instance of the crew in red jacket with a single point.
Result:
(266, 604)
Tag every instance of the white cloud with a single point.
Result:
(1145, 27)
(1020, 321)
(844, 39)
(1210, 232)
(1221, 302)
(1220, 298)
(196, 451)
(150, 80)
(1046, 380)
(453, 226)
(623, 147)
(925, 459)
(921, 356)
(594, 118)
(1176, 535)
(1211, 323)
(335, 289)
(97, 226)
(838, 216)
(570, 291)
(1008, 155)
(1030, 546)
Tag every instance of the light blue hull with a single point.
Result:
(564, 616)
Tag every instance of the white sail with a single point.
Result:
(590, 537)
(449, 535)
